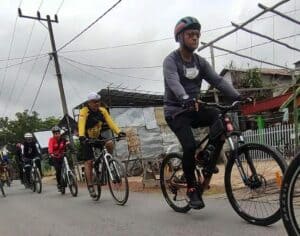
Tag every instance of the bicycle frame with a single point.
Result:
(66, 169)
(104, 157)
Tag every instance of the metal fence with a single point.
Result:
(281, 137)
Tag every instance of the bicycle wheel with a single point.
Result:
(2, 189)
(118, 182)
(7, 179)
(255, 195)
(97, 186)
(37, 180)
(289, 198)
(73, 186)
(173, 184)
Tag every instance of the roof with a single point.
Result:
(265, 105)
(123, 98)
(266, 71)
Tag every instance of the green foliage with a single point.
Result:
(253, 79)
(12, 130)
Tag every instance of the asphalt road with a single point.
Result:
(23, 213)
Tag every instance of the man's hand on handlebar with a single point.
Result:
(191, 104)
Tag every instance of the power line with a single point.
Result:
(19, 70)
(31, 70)
(159, 40)
(85, 72)
(159, 66)
(9, 53)
(114, 73)
(40, 86)
(60, 6)
(22, 62)
(113, 68)
(89, 26)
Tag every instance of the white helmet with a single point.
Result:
(93, 96)
(28, 135)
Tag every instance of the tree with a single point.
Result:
(12, 131)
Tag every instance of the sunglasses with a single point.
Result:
(95, 101)
(56, 133)
(191, 34)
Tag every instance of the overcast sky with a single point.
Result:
(132, 21)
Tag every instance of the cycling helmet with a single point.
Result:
(93, 96)
(186, 23)
(28, 135)
(55, 129)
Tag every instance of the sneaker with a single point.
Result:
(92, 191)
(195, 197)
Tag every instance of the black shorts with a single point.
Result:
(87, 151)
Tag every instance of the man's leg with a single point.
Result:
(57, 167)
(88, 167)
(185, 136)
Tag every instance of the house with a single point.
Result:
(274, 81)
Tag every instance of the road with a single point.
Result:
(23, 213)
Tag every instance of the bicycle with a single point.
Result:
(68, 178)
(2, 183)
(243, 175)
(5, 174)
(108, 170)
(35, 180)
(289, 197)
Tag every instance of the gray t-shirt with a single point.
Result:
(184, 78)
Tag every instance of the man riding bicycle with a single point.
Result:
(30, 151)
(91, 119)
(56, 149)
(183, 73)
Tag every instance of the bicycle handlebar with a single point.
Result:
(102, 141)
(223, 108)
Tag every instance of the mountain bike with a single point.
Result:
(68, 178)
(2, 182)
(34, 180)
(5, 174)
(290, 197)
(108, 170)
(252, 178)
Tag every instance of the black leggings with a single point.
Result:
(182, 127)
(57, 163)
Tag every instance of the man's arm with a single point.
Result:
(82, 122)
(112, 125)
(172, 78)
(219, 82)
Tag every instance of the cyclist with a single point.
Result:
(91, 118)
(19, 160)
(56, 148)
(183, 72)
(30, 152)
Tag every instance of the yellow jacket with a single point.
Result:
(90, 123)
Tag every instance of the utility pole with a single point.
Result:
(57, 68)
(212, 56)
(55, 57)
(296, 89)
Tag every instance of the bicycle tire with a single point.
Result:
(73, 186)
(163, 184)
(2, 189)
(37, 180)
(120, 179)
(273, 184)
(7, 179)
(97, 186)
(286, 197)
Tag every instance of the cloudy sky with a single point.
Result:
(125, 48)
